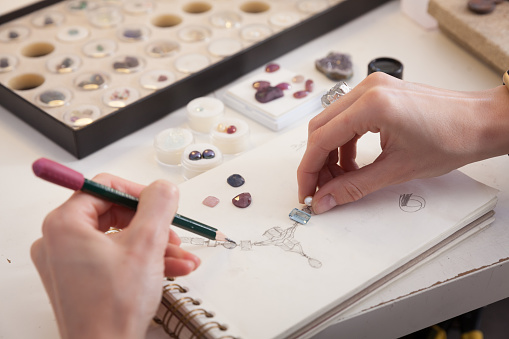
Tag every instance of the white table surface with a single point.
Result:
(472, 274)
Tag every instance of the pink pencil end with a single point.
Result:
(58, 174)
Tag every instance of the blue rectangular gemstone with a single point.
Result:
(299, 216)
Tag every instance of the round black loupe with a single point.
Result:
(387, 65)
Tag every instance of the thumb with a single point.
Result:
(352, 186)
(150, 225)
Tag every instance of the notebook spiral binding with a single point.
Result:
(181, 320)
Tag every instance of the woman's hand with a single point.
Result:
(109, 286)
(424, 132)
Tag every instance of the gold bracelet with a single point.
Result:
(505, 79)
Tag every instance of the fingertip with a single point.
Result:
(324, 204)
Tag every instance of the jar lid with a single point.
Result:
(386, 65)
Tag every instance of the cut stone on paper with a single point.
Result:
(299, 216)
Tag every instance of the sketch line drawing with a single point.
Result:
(411, 203)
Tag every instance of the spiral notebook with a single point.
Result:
(284, 279)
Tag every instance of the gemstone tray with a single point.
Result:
(87, 73)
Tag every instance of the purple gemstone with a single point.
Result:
(242, 200)
(13, 35)
(284, 85)
(335, 66)
(208, 154)
(268, 94)
(310, 85)
(258, 85)
(271, 68)
(235, 180)
(194, 155)
(162, 78)
(231, 129)
(300, 94)
(133, 33)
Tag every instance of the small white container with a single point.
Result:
(191, 168)
(203, 113)
(170, 144)
(230, 143)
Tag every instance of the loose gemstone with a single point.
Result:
(283, 86)
(310, 85)
(258, 85)
(194, 155)
(300, 94)
(72, 31)
(162, 78)
(133, 33)
(210, 201)
(13, 35)
(95, 82)
(52, 97)
(242, 200)
(299, 216)
(268, 94)
(235, 180)
(231, 129)
(221, 128)
(66, 63)
(298, 79)
(131, 61)
(271, 68)
(99, 48)
(48, 21)
(4, 63)
(482, 6)
(335, 66)
(208, 154)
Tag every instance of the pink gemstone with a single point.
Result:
(210, 201)
(283, 86)
(271, 68)
(231, 129)
(298, 79)
(310, 85)
(300, 94)
(162, 78)
(261, 84)
(242, 200)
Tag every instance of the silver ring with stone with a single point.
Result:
(336, 92)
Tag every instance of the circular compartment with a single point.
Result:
(100, 48)
(194, 33)
(192, 168)
(138, 6)
(157, 79)
(224, 47)
(73, 33)
(255, 7)
(190, 63)
(91, 81)
(63, 63)
(37, 49)
(105, 16)
(54, 97)
(133, 33)
(48, 19)
(14, 33)
(163, 48)
(226, 19)
(230, 135)
(82, 115)
(26, 81)
(312, 6)
(197, 7)
(166, 20)
(255, 32)
(170, 144)
(80, 6)
(203, 113)
(284, 19)
(120, 96)
(7, 63)
(128, 64)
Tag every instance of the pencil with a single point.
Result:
(64, 176)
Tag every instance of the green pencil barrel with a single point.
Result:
(110, 194)
(195, 226)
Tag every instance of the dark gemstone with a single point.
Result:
(242, 200)
(97, 79)
(13, 35)
(271, 68)
(482, 6)
(119, 65)
(310, 85)
(51, 96)
(162, 78)
(4, 63)
(258, 85)
(208, 154)
(66, 63)
(194, 155)
(268, 94)
(231, 129)
(133, 33)
(99, 48)
(300, 94)
(48, 21)
(131, 62)
(235, 180)
(283, 85)
(335, 66)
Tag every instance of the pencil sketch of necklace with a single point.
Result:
(275, 236)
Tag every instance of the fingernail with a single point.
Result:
(191, 264)
(324, 204)
(196, 262)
